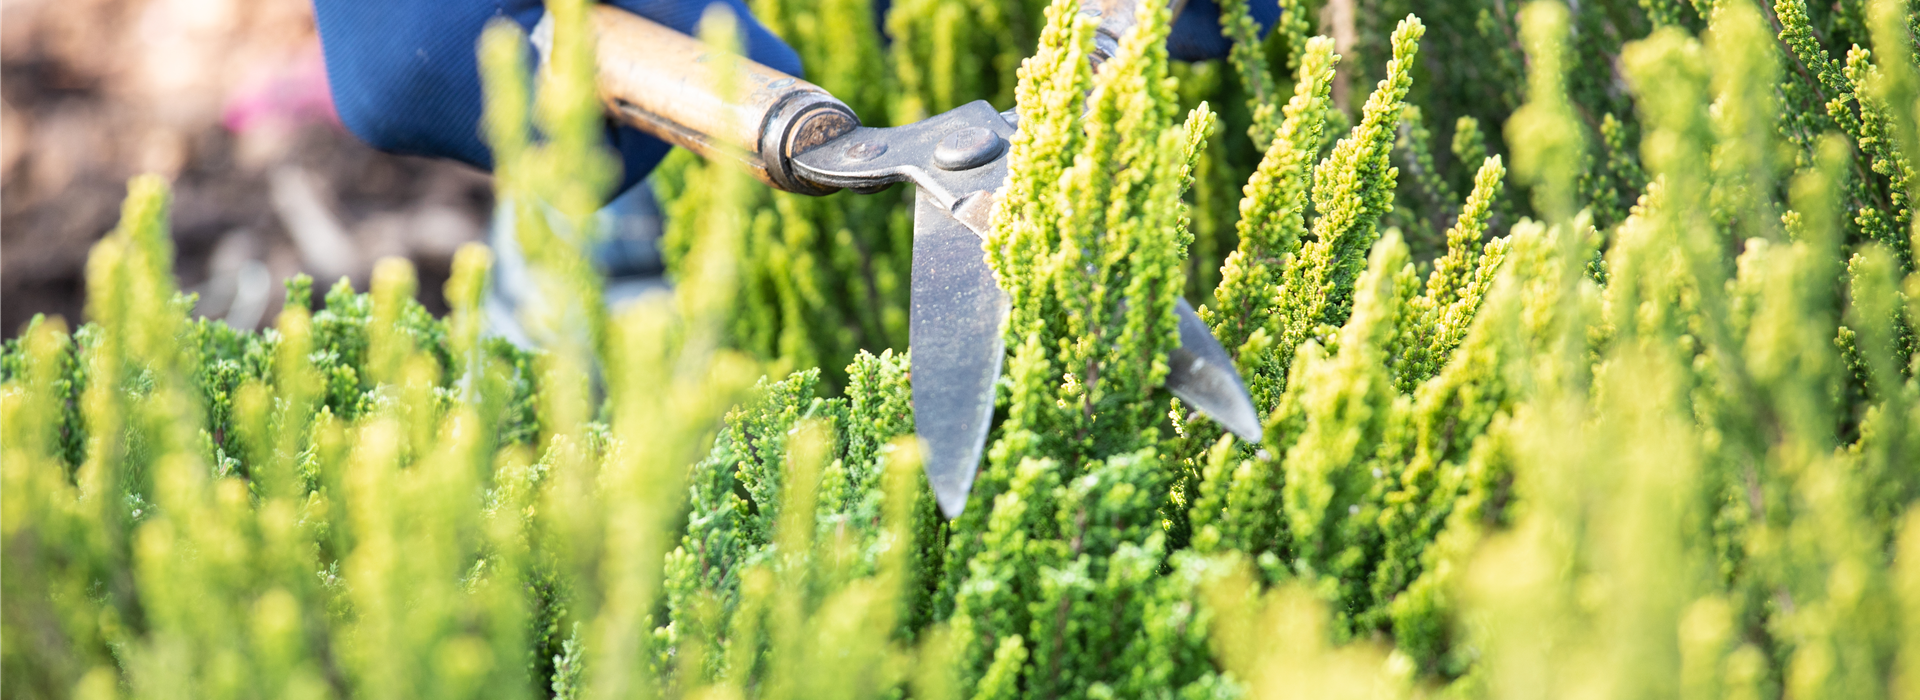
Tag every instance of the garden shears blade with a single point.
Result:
(795, 136)
(955, 326)
(957, 160)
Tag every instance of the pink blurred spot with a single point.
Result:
(291, 94)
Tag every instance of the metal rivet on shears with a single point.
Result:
(968, 148)
(864, 150)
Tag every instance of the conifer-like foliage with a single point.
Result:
(1636, 422)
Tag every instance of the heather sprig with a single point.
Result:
(1096, 283)
(1250, 64)
(1442, 314)
(1273, 213)
(1349, 190)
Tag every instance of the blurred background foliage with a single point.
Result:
(1635, 422)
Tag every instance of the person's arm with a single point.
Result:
(405, 78)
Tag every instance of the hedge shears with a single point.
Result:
(795, 136)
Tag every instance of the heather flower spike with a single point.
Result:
(797, 137)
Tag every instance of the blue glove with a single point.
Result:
(405, 74)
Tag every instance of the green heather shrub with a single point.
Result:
(822, 278)
(1637, 423)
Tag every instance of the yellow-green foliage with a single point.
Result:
(1637, 423)
(823, 278)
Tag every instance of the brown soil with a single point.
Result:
(98, 91)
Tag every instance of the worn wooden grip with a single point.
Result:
(668, 84)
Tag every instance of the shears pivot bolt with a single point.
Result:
(968, 148)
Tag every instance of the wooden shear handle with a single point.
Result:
(665, 83)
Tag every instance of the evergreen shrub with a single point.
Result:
(1641, 422)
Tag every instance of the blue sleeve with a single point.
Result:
(1196, 35)
(405, 75)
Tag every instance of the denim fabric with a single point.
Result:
(1196, 32)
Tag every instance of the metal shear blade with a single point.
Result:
(958, 161)
(956, 329)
